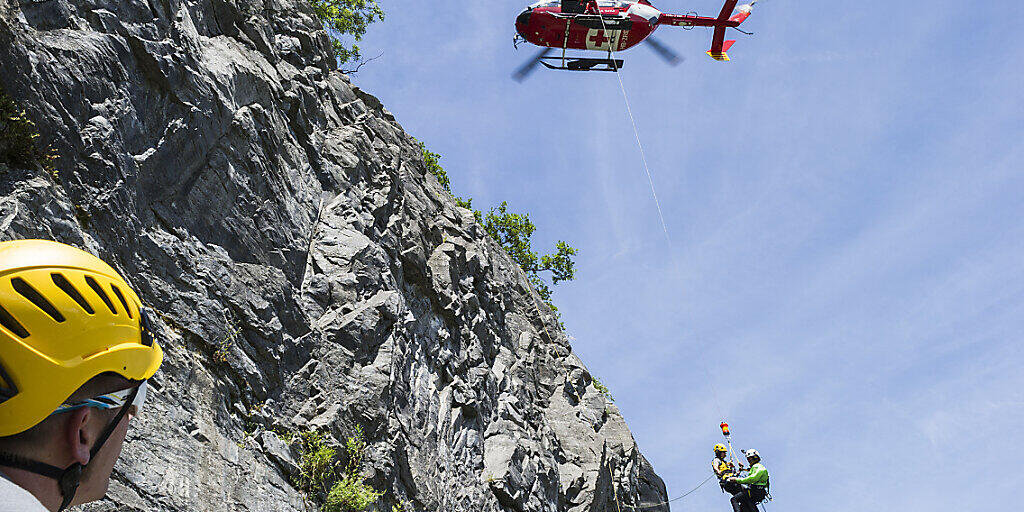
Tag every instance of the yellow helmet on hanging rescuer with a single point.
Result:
(65, 317)
(720, 448)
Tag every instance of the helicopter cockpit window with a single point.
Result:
(601, 3)
(645, 11)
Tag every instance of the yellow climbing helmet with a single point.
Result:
(720, 448)
(65, 317)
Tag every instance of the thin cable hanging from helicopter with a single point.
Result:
(643, 156)
(636, 132)
(664, 226)
(625, 96)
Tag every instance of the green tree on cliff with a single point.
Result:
(347, 18)
(514, 232)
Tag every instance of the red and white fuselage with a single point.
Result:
(627, 24)
(616, 25)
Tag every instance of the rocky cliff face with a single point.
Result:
(309, 273)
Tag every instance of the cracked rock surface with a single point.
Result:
(309, 273)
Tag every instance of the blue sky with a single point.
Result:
(845, 252)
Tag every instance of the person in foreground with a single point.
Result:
(754, 486)
(76, 350)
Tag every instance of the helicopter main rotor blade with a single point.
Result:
(665, 52)
(530, 65)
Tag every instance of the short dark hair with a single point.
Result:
(43, 431)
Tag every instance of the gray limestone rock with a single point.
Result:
(309, 273)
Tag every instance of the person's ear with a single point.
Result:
(79, 434)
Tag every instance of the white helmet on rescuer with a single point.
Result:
(752, 454)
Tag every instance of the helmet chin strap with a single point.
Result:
(68, 479)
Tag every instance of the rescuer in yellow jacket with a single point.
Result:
(725, 470)
(754, 485)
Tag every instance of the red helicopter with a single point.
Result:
(611, 26)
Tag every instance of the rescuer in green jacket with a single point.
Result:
(755, 485)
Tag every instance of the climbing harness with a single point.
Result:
(767, 487)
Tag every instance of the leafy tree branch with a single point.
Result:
(514, 232)
(347, 19)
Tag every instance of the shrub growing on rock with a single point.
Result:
(316, 466)
(601, 388)
(514, 232)
(351, 493)
(347, 18)
(19, 136)
(344, 491)
(433, 162)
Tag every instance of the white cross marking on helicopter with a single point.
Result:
(598, 39)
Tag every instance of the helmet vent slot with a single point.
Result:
(11, 324)
(26, 290)
(124, 303)
(7, 388)
(103, 295)
(68, 288)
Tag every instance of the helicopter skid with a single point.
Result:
(583, 64)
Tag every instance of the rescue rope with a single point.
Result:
(732, 454)
(664, 227)
(718, 409)
(636, 133)
(691, 491)
(615, 490)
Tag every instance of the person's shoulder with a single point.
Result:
(16, 499)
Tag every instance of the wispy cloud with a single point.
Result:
(844, 202)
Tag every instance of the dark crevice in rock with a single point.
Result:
(203, 135)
